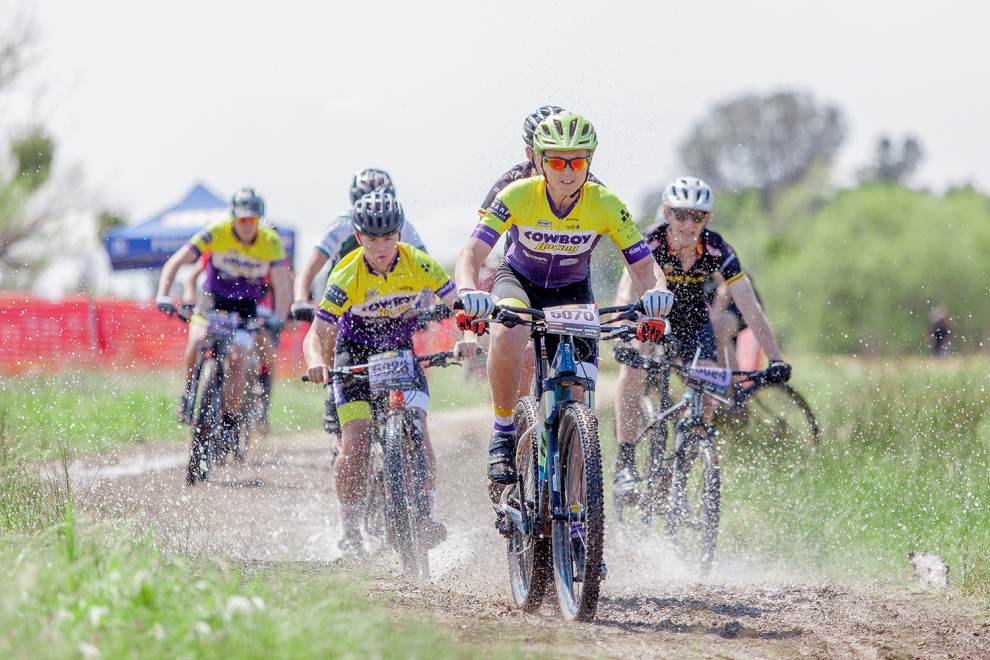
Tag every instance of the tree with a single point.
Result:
(871, 265)
(29, 210)
(893, 164)
(763, 142)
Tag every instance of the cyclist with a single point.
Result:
(368, 293)
(689, 254)
(242, 254)
(266, 339)
(523, 170)
(555, 220)
(337, 242)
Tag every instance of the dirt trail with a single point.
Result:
(281, 507)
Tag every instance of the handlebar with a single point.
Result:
(509, 316)
(186, 311)
(631, 357)
(360, 371)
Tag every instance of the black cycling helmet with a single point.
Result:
(371, 180)
(378, 214)
(533, 120)
(246, 203)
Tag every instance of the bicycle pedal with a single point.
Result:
(504, 525)
(602, 570)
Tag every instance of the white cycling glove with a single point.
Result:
(657, 302)
(478, 304)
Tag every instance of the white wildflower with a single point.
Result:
(88, 650)
(96, 614)
(237, 605)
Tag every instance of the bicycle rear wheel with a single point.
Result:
(401, 509)
(578, 541)
(694, 504)
(206, 421)
(780, 416)
(528, 555)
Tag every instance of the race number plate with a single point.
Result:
(395, 370)
(716, 376)
(576, 320)
(221, 324)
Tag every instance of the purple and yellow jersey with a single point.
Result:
(369, 307)
(553, 251)
(234, 269)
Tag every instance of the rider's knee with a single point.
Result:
(355, 416)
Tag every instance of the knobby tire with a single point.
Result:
(578, 546)
(528, 556)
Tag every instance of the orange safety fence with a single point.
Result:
(106, 333)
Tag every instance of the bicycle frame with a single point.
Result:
(552, 386)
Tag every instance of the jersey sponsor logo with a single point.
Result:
(636, 251)
(686, 279)
(499, 210)
(388, 305)
(624, 215)
(336, 295)
(544, 223)
(549, 241)
(237, 264)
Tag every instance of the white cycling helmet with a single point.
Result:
(688, 192)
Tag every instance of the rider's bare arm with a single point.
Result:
(469, 263)
(319, 342)
(722, 297)
(745, 298)
(645, 274)
(624, 295)
(189, 283)
(282, 284)
(184, 255)
(304, 278)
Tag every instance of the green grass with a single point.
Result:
(95, 412)
(904, 464)
(73, 590)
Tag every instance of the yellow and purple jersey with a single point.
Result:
(236, 270)
(369, 307)
(553, 249)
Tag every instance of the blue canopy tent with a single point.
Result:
(149, 244)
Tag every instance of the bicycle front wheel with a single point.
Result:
(781, 417)
(206, 421)
(694, 504)
(528, 554)
(579, 540)
(401, 510)
(374, 495)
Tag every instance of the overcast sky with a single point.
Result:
(293, 97)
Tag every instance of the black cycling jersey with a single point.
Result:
(713, 255)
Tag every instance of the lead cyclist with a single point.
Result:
(554, 220)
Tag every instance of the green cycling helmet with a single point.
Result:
(565, 131)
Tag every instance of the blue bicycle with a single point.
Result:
(554, 515)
